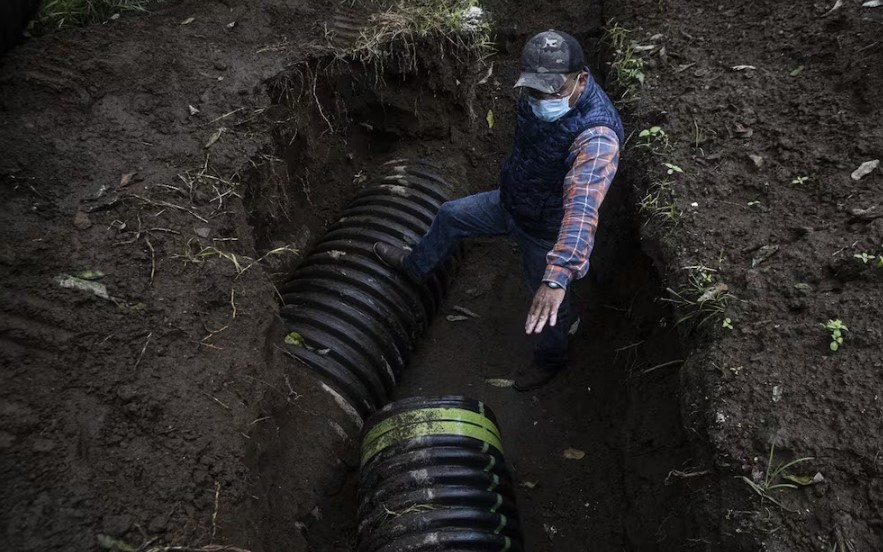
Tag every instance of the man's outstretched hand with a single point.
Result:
(544, 308)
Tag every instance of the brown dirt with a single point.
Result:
(168, 417)
(822, 122)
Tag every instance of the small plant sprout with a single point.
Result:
(703, 299)
(653, 135)
(727, 323)
(673, 169)
(836, 327)
(864, 257)
(774, 477)
(799, 180)
(754, 203)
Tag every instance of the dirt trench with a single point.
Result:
(618, 402)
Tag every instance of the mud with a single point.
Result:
(166, 416)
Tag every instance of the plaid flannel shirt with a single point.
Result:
(593, 158)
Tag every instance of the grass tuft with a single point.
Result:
(57, 14)
(393, 33)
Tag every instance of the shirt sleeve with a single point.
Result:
(594, 159)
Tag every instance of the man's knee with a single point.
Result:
(448, 212)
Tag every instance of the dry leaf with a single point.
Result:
(193, 110)
(744, 67)
(214, 137)
(763, 254)
(528, 484)
(500, 382)
(490, 119)
(188, 21)
(713, 292)
(574, 454)
(804, 480)
(836, 7)
(127, 179)
(456, 318)
(467, 312)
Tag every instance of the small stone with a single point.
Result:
(203, 231)
(220, 66)
(865, 169)
(82, 221)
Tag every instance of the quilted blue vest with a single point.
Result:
(532, 179)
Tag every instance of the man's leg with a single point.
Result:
(550, 353)
(475, 215)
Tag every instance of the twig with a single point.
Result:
(152, 260)
(212, 333)
(632, 346)
(143, 349)
(215, 513)
(232, 303)
(167, 204)
(319, 104)
(224, 116)
(663, 365)
(216, 400)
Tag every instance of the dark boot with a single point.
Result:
(391, 256)
(535, 376)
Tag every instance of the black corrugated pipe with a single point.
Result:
(433, 477)
(350, 318)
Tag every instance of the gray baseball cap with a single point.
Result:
(547, 59)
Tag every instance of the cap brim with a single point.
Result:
(547, 83)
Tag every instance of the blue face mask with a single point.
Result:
(550, 110)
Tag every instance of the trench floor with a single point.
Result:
(564, 503)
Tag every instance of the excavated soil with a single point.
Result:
(191, 162)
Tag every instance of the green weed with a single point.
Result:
(652, 137)
(655, 205)
(836, 328)
(703, 298)
(774, 478)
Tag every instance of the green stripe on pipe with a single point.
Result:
(507, 545)
(424, 429)
(431, 414)
(501, 525)
(498, 504)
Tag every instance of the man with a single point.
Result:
(564, 157)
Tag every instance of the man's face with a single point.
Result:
(572, 89)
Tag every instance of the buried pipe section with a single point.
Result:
(433, 477)
(351, 319)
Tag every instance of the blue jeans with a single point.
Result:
(483, 215)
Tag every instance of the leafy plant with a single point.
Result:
(836, 328)
(652, 136)
(864, 257)
(654, 205)
(703, 298)
(774, 477)
(800, 180)
(627, 69)
(673, 169)
(727, 323)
